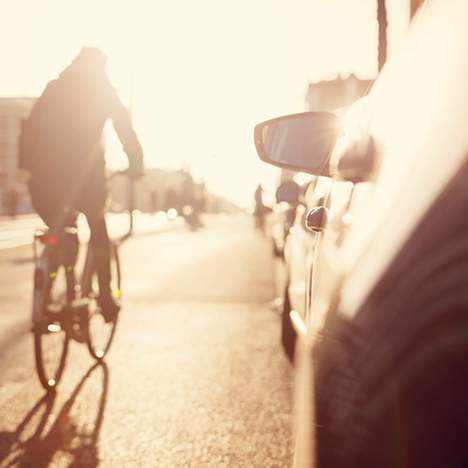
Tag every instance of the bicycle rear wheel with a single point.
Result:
(100, 332)
(51, 337)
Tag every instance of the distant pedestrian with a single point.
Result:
(260, 208)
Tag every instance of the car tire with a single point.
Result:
(426, 420)
(288, 333)
(416, 416)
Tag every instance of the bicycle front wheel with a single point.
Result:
(100, 332)
(50, 332)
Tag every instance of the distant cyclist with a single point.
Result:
(61, 147)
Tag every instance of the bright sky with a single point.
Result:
(200, 73)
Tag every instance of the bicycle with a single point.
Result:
(65, 305)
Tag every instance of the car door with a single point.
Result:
(323, 260)
(302, 244)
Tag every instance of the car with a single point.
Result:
(281, 217)
(382, 351)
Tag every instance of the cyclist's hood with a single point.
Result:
(89, 63)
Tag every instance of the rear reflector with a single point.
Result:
(49, 239)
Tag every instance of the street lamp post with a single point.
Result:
(382, 23)
(414, 5)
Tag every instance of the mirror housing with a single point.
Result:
(299, 142)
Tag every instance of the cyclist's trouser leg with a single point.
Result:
(51, 207)
(57, 217)
(52, 211)
(100, 245)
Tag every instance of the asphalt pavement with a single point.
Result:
(195, 378)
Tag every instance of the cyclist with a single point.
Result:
(61, 147)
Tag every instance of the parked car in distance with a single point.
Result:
(282, 215)
(382, 352)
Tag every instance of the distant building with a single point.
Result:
(13, 192)
(160, 190)
(333, 94)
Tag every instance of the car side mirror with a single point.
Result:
(299, 142)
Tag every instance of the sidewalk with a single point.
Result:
(20, 230)
(7, 219)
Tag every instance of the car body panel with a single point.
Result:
(417, 119)
(389, 295)
(298, 244)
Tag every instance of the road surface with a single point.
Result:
(195, 377)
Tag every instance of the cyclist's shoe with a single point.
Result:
(110, 307)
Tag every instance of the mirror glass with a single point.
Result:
(302, 142)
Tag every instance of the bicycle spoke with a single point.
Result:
(50, 334)
(100, 332)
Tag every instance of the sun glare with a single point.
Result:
(197, 75)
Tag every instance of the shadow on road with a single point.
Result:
(14, 336)
(35, 441)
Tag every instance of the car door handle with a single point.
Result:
(316, 219)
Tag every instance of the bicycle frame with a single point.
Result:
(44, 267)
(70, 311)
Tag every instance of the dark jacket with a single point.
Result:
(61, 141)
